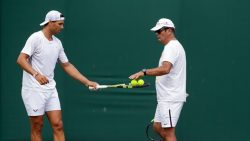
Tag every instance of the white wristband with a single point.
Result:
(35, 74)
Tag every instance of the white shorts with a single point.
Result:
(38, 102)
(168, 113)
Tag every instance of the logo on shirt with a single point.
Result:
(35, 110)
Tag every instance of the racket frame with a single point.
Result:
(119, 86)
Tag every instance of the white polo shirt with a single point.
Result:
(44, 55)
(172, 86)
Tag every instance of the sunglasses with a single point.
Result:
(160, 30)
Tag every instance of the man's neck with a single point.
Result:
(47, 34)
(170, 39)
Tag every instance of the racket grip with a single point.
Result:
(97, 87)
(91, 88)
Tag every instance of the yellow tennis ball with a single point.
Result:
(140, 82)
(133, 82)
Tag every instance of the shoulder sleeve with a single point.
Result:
(62, 58)
(30, 45)
(170, 54)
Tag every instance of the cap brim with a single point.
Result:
(43, 23)
(156, 28)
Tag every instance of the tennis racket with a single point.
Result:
(151, 134)
(124, 86)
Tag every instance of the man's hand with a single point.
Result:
(136, 75)
(92, 84)
(41, 79)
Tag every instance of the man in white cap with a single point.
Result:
(170, 80)
(38, 59)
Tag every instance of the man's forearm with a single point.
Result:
(74, 73)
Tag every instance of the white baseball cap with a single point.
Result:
(163, 22)
(52, 15)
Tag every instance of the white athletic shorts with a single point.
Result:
(168, 113)
(38, 102)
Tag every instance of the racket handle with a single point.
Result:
(98, 87)
(91, 88)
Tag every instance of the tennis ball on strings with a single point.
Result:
(133, 82)
(140, 82)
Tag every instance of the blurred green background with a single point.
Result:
(109, 40)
